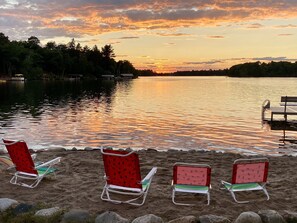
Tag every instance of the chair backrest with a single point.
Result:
(20, 156)
(288, 98)
(122, 168)
(191, 174)
(250, 171)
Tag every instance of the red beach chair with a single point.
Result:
(248, 175)
(122, 175)
(26, 170)
(191, 178)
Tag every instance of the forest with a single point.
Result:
(255, 69)
(258, 69)
(59, 61)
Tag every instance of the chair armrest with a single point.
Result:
(288, 104)
(115, 154)
(34, 156)
(150, 174)
(50, 163)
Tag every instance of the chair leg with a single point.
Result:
(266, 193)
(234, 197)
(15, 180)
(131, 201)
(185, 204)
(106, 197)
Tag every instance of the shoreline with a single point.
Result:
(79, 183)
(285, 151)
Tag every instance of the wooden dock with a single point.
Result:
(287, 109)
(286, 114)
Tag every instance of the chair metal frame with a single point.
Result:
(197, 191)
(251, 186)
(137, 193)
(18, 176)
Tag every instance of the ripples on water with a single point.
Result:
(209, 113)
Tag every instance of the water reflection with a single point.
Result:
(35, 97)
(212, 113)
(288, 133)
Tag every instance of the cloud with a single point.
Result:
(204, 62)
(129, 37)
(286, 26)
(285, 34)
(93, 17)
(281, 58)
(216, 37)
(238, 60)
(122, 56)
(254, 26)
(172, 34)
(169, 44)
(114, 42)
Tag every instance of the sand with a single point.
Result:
(79, 183)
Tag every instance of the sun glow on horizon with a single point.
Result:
(164, 36)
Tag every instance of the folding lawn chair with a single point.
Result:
(26, 170)
(7, 162)
(191, 178)
(122, 175)
(248, 175)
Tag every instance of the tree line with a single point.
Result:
(65, 60)
(58, 60)
(254, 69)
(258, 69)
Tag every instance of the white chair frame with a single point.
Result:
(136, 192)
(260, 186)
(18, 176)
(174, 189)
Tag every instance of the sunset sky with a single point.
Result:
(163, 35)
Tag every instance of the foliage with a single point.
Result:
(147, 73)
(57, 60)
(257, 69)
(201, 73)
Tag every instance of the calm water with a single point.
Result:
(210, 113)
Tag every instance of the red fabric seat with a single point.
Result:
(122, 175)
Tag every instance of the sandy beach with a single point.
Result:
(79, 183)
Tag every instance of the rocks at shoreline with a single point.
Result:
(6, 203)
(56, 214)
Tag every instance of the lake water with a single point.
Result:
(203, 113)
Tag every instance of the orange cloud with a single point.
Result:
(216, 37)
(285, 34)
(91, 17)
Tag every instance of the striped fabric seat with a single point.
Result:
(248, 175)
(45, 170)
(191, 178)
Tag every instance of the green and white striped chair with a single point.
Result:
(248, 175)
(191, 178)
